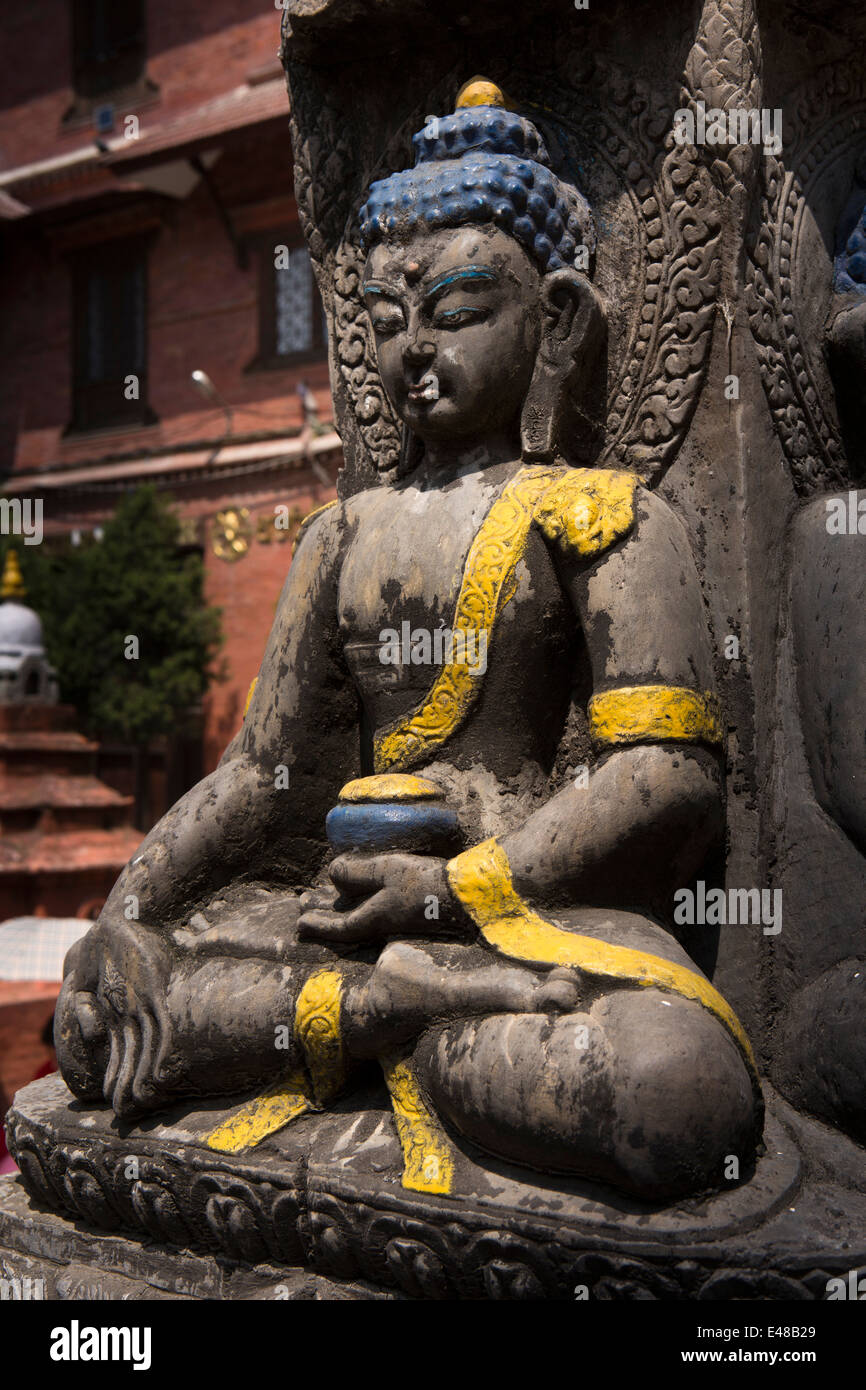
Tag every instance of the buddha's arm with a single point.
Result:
(653, 807)
(261, 813)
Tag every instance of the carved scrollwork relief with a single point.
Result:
(429, 1251)
(790, 272)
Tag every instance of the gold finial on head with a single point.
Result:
(479, 91)
(12, 584)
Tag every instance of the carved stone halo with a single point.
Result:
(790, 273)
(657, 267)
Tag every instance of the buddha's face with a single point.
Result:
(457, 325)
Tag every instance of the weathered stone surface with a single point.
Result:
(342, 1215)
(45, 1255)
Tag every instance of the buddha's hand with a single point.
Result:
(115, 1013)
(400, 895)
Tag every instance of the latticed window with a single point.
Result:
(291, 319)
(293, 293)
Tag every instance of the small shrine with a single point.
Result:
(26, 676)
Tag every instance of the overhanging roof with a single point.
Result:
(292, 449)
(239, 109)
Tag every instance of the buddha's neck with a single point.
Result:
(443, 460)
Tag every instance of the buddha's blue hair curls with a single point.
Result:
(483, 164)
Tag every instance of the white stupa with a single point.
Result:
(26, 676)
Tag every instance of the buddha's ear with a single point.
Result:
(573, 326)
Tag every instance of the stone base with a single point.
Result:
(45, 1255)
(319, 1211)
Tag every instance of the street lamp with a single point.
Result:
(202, 382)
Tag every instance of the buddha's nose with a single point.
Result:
(418, 350)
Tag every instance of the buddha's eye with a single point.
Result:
(387, 321)
(456, 318)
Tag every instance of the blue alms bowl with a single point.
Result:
(377, 827)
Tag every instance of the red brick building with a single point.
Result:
(148, 231)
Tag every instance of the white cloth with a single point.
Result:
(33, 948)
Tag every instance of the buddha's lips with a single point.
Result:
(427, 389)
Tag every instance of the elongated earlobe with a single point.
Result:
(574, 329)
(411, 452)
(539, 420)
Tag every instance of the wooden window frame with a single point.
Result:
(267, 358)
(89, 82)
(122, 86)
(91, 400)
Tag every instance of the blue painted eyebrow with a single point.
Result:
(466, 272)
(451, 277)
(373, 287)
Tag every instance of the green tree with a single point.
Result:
(125, 621)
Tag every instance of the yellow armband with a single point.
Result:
(655, 714)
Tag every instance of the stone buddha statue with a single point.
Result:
(481, 756)
(821, 1060)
